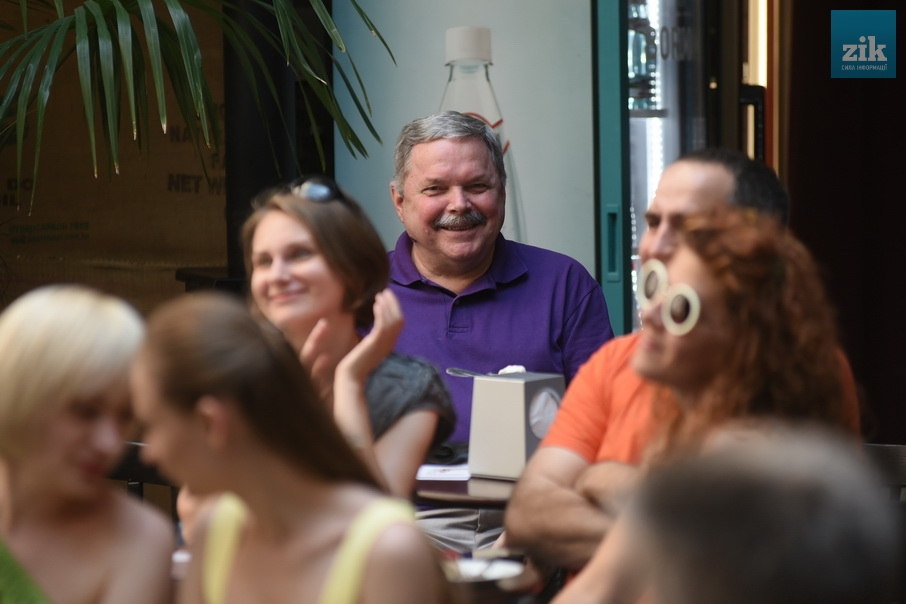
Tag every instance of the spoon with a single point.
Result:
(464, 372)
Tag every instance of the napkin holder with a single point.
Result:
(510, 415)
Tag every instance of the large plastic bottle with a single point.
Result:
(469, 91)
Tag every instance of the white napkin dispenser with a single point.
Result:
(511, 413)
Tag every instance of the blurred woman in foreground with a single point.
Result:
(67, 535)
(227, 407)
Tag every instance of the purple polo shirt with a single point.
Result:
(533, 307)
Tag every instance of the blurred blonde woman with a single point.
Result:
(67, 535)
(228, 408)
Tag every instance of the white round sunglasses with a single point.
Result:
(680, 304)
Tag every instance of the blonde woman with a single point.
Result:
(67, 535)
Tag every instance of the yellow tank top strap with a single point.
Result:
(220, 546)
(345, 578)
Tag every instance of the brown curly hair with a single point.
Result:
(784, 361)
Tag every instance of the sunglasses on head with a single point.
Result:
(319, 189)
(680, 304)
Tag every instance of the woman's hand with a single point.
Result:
(324, 352)
(374, 347)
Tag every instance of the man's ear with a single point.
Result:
(215, 416)
(397, 198)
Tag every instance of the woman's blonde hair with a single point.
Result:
(61, 343)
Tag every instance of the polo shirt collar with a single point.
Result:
(507, 265)
(402, 268)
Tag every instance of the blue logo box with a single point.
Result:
(863, 44)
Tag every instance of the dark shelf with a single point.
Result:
(210, 277)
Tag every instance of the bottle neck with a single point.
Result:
(469, 90)
(469, 69)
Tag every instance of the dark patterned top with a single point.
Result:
(402, 384)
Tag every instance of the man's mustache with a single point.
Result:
(459, 221)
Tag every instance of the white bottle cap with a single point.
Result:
(468, 43)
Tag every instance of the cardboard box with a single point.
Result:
(128, 233)
(510, 415)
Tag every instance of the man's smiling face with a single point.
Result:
(452, 204)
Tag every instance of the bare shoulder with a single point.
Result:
(143, 523)
(144, 545)
(402, 568)
(401, 541)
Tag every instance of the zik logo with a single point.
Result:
(875, 52)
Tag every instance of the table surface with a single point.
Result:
(475, 490)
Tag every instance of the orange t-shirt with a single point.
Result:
(606, 413)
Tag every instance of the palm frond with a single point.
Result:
(124, 36)
(114, 65)
(53, 58)
(152, 37)
(83, 58)
(191, 58)
(374, 31)
(105, 60)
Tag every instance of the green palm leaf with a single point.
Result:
(83, 56)
(149, 20)
(109, 106)
(115, 66)
(191, 57)
(374, 31)
(53, 59)
(29, 70)
(124, 35)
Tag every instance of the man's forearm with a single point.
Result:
(555, 524)
(608, 485)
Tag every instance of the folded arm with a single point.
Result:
(608, 485)
(550, 517)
